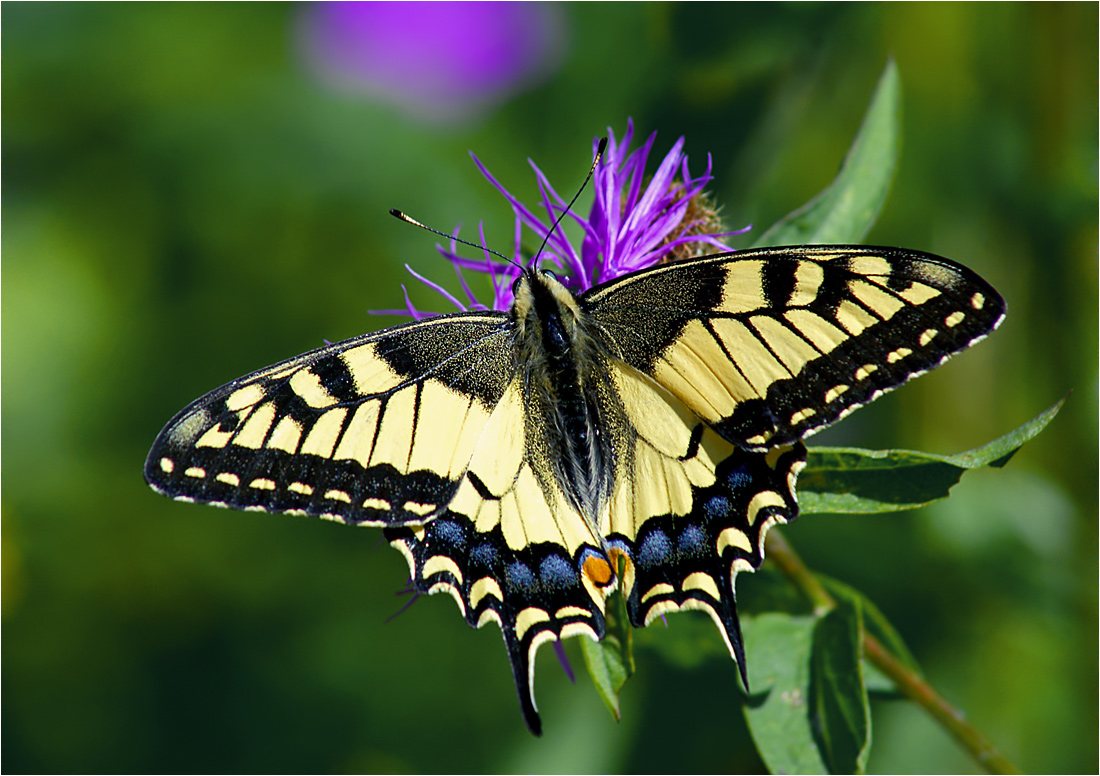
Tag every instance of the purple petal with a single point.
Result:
(437, 288)
(559, 650)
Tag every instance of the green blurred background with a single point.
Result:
(185, 201)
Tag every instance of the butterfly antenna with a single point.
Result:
(591, 170)
(410, 220)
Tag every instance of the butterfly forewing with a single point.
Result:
(377, 430)
(771, 345)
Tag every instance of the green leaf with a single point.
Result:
(850, 480)
(874, 624)
(778, 711)
(848, 207)
(611, 662)
(842, 718)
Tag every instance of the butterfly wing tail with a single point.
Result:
(536, 594)
(691, 562)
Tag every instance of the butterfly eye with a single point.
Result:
(515, 286)
(551, 274)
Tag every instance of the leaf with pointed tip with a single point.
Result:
(841, 714)
(850, 480)
(845, 210)
(611, 662)
(875, 624)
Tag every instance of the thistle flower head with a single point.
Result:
(632, 224)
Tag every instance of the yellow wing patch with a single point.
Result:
(673, 453)
(500, 488)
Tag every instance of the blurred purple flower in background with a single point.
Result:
(437, 61)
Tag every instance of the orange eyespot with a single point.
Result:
(598, 570)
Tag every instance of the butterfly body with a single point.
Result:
(558, 356)
(517, 458)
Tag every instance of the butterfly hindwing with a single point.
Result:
(773, 344)
(535, 594)
(510, 549)
(376, 430)
(690, 509)
(692, 561)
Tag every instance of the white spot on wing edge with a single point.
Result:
(802, 415)
(417, 508)
(835, 393)
(489, 615)
(700, 580)
(732, 537)
(865, 371)
(452, 591)
(763, 499)
(578, 629)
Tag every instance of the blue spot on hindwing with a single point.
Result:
(448, 532)
(557, 572)
(655, 549)
(738, 477)
(519, 576)
(717, 507)
(485, 556)
(692, 540)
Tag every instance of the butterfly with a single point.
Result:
(517, 458)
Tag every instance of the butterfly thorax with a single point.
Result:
(558, 355)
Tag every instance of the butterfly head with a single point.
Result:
(545, 311)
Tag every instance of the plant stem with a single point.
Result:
(907, 683)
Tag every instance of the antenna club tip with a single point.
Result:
(603, 145)
(396, 213)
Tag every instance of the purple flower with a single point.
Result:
(632, 224)
(440, 61)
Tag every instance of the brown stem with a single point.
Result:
(907, 683)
